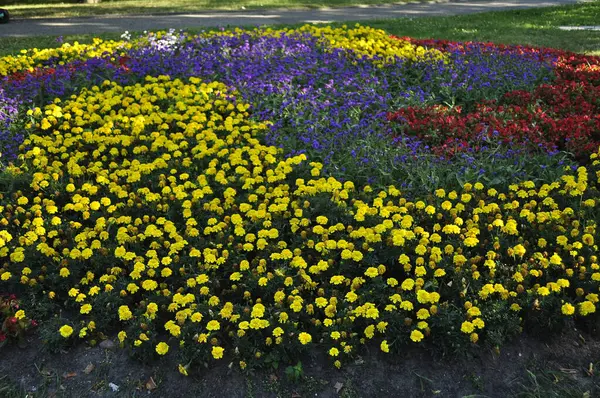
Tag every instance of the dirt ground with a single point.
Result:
(527, 367)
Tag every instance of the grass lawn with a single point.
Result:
(47, 9)
(536, 27)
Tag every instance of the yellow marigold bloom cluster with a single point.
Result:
(35, 58)
(371, 43)
(162, 200)
(364, 41)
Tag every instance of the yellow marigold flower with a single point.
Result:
(396, 298)
(213, 325)
(518, 277)
(420, 250)
(408, 284)
(152, 308)
(65, 331)
(478, 323)
(357, 256)
(334, 352)
(322, 220)
(423, 313)
(304, 338)
(125, 313)
(471, 241)
(149, 285)
(567, 309)
(467, 327)
(162, 348)
(486, 290)
(283, 317)
(217, 352)
(213, 301)
(555, 259)
(351, 297)
(519, 250)
(384, 346)
(321, 302)
(296, 305)
(473, 311)
(587, 307)
(403, 259)
(202, 338)
(593, 297)
(562, 240)
(563, 283)
(474, 337)
(372, 272)
(85, 309)
(423, 297)
(420, 271)
(258, 311)
(416, 336)
(543, 291)
(277, 332)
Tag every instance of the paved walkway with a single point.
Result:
(58, 27)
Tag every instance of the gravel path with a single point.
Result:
(83, 25)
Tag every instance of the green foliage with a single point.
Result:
(52, 340)
(295, 373)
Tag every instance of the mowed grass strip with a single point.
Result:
(535, 27)
(60, 9)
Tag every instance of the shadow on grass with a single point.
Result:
(536, 27)
(70, 8)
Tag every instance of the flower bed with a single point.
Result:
(243, 195)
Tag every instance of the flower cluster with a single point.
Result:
(13, 320)
(563, 115)
(374, 44)
(9, 141)
(28, 60)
